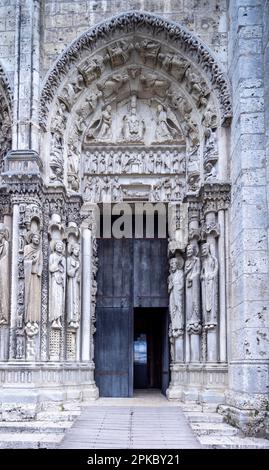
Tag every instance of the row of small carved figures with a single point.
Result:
(97, 189)
(121, 163)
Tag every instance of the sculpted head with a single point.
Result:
(205, 249)
(35, 238)
(75, 249)
(59, 247)
(173, 265)
(176, 263)
(190, 251)
(3, 232)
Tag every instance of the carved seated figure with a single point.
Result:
(133, 129)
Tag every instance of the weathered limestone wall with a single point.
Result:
(248, 319)
(64, 20)
(7, 32)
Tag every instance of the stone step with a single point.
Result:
(55, 416)
(233, 442)
(224, 429)
(29, 440)
(199, 417)
(34, 427)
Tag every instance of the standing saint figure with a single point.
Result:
(73, 286)
(57, 270)
(209, 280)
(192, 276)
(176, 294)
(4, 274)
(33, 265)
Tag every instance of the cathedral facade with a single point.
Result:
(110, 117)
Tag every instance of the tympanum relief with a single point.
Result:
(135, 92)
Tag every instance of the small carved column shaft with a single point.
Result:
(86, 292)
(222, 287)
(192, 272)
(210, 286)
(14, 280)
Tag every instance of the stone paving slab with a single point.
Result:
(130, 427)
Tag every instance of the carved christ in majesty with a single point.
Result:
(133, 126)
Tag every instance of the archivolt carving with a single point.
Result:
(119, 52)
(136, 91)
(6, 99)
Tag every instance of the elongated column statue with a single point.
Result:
(73, 286)
(176, 305)
(4, 275)
(57, 269)
(209, 281)
(193, 327)
(33, 265)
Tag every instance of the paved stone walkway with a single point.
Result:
(143, 425)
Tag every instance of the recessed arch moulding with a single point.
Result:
(140, 83)
(135, 109)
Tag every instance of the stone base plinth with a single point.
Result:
(200, 383)
(26, 389)
(250, 413)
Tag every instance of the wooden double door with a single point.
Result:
(132, 274)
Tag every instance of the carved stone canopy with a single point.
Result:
(141, 82)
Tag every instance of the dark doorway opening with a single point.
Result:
(150, 348)
(132, 286)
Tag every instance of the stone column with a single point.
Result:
(248, 329)
(26, 77)
(86, 292)
(14, 279)
(192, 274)
(210, 280)
(5, 280)
(222, 288)
(178, 238)
(90, 214)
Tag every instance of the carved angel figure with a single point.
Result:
(4, 274)
(176, 293)
(57, 270)
(100, 128)
(33, 265)
(167, 128)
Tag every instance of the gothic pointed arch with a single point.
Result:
(6, 99)
(140, 81)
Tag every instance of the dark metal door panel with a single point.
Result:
(115, 273)
(113, 355)
(150, 273)
(165, 354)
(114, 318)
